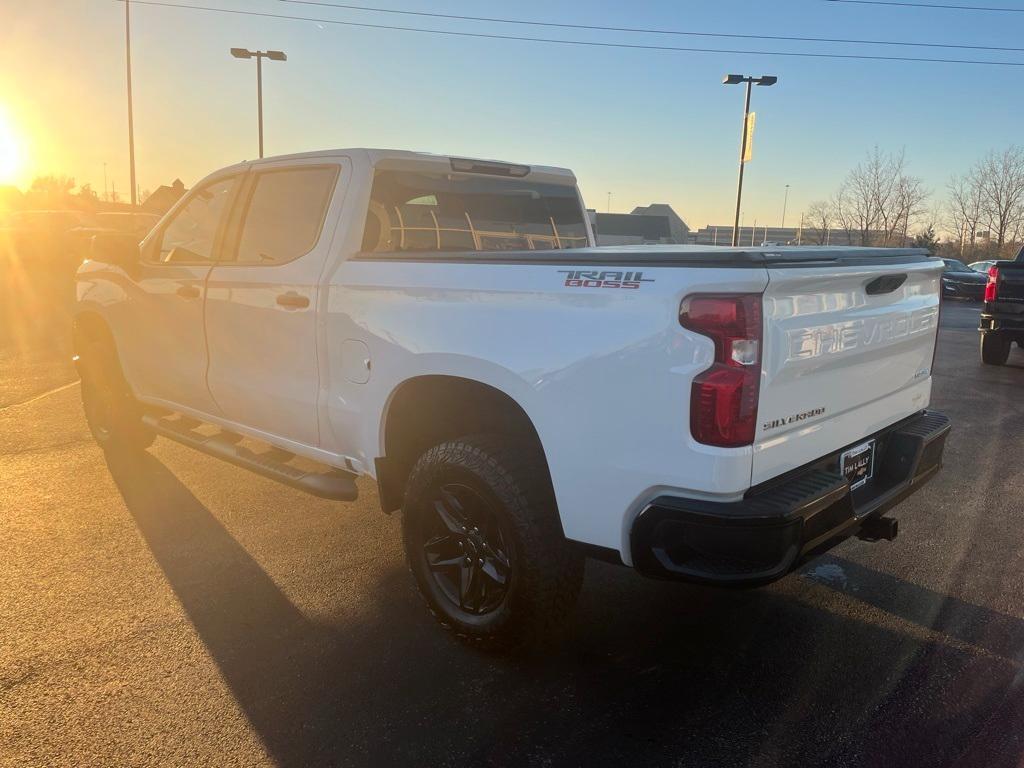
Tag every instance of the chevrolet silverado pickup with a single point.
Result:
(1002, 317)
(445, 326)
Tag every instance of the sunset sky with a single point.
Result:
(648, 126)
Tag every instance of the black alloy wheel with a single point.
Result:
(484, 545)
(465, 550)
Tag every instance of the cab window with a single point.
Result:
(452, 212)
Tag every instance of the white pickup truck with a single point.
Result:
(445, 326)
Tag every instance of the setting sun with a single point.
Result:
(11, 150)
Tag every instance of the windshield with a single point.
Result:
(456, 212)
(952, 265)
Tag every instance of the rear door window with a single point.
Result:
(452, 212)
(285, 214)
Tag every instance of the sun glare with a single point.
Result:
(10, 150)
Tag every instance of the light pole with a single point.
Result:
(244, 53)
(128, 70)
(785, 201)
(749, 80)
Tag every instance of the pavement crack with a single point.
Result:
(9, 684)
(43, 448)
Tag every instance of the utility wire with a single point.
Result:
(937, 6)
(583, 43)
(649, 31)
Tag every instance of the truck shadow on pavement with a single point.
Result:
(648, 673)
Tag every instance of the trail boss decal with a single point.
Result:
(575, 278)
(796, 417)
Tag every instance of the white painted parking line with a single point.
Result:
(36, 398)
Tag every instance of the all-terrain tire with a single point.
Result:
(995, 349)
(113, 414)
(511, 485)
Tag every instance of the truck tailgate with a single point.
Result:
(847, 351)
(1011, 285)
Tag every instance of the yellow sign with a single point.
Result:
(748, 150)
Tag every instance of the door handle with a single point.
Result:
(188, 292)
(292, 300)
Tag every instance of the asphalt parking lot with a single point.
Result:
(175, 610)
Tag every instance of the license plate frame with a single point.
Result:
(857, 464)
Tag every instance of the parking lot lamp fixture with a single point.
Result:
(244, 53)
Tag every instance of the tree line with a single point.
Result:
(880, 203)
(57, 192)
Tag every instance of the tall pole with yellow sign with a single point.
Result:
(743, 162)
(747, 140)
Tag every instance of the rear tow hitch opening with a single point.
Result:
(877, 528)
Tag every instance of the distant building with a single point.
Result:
(678, 229)
(164, 197)
(656, 223)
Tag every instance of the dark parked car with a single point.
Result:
(961, 282)
(41, 241)
(131, 222)
(119, 222)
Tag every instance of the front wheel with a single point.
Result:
(995, 349)
(114, 416)
(484, 545)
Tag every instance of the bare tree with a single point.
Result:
(907, 206)
(858, 197)
(965, 210)
(844, 213)
(1000, 177)
(986, 204)
(878, 201)
(818, 221)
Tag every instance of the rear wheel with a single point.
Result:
(114, 416)
(484, 545)
(995, 349)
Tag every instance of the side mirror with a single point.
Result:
(118, 249)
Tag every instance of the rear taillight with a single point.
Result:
(723, 398)
(992, 288)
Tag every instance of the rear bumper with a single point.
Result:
(780, 523)
(1001, 322)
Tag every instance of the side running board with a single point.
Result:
(336, 484)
